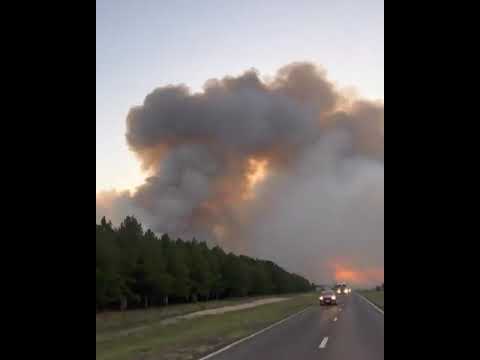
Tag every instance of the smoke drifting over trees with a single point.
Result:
(287, 168)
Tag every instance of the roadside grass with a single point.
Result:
(115, 320)
(377, 297)
(193, 338)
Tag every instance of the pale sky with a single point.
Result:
(143, 44)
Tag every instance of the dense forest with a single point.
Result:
(135, 268)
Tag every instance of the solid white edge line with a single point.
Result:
(253, 335)
(371, 303)
(323, 344)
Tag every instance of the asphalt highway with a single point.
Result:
(354, 329)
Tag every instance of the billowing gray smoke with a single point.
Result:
(287, 169)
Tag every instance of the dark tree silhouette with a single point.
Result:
(136, 268)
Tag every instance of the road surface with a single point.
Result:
(352, 330)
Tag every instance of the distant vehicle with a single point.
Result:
(342, 289)
(328, 298)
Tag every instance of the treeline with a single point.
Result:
(137, 269)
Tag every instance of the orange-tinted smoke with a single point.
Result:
(288, 115)
(256, 173)
(357, 276)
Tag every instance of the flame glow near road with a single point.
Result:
(353, 276)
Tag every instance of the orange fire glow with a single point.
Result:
(345, 275)
(220, 231)
(348, 274)
(257, 172)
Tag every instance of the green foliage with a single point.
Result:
(142, 269)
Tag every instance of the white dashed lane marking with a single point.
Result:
(323, 344)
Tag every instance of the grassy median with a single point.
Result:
(190, 339)
(377, 297)
(109, 322)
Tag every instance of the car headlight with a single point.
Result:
(339, 291)
(334, 297)
(321, 297)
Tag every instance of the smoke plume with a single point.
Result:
(288, 169)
